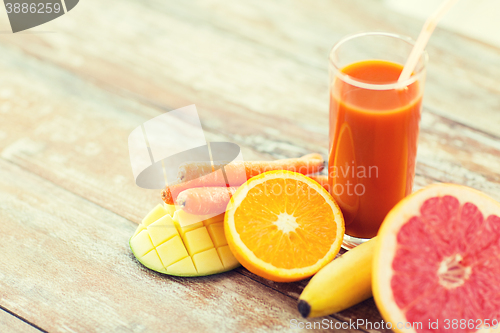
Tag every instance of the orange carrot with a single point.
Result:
(322, 180)
(306, 164)
(205, 200)
(214, 200)
(311, 163)
(214, 179)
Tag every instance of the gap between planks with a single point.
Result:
(333, 316)
(437, 112)
(15, 322)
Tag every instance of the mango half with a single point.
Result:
(174, 242)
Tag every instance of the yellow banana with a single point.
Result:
(344, 282)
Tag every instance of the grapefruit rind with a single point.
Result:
(386, 246)
(256, 265)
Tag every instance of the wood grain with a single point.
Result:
(11, 324)
(74, 134)
(277, 65)
(365, 311)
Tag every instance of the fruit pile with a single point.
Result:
(187, 239)
(436, 256)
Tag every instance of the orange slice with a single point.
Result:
(283, 226)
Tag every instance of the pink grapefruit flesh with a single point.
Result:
(438, 261)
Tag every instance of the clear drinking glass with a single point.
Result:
(374, 126)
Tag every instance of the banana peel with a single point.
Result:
(344, 282)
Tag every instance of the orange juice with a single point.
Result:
(373, 143)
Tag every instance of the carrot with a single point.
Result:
(322, 180)
(311, 163)
(214, 200)
(306, 164)
(214, 179)
(205, 200)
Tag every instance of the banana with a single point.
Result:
(342, 283)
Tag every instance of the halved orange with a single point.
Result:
(283, 226)
(436, 264)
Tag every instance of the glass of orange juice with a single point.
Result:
(374, 125)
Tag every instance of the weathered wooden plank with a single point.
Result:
(366, 311)
(257, 99)
(278, 57)
(70, 132)
(305, 32)
(456, 153)
(9, 323)
(65, 266)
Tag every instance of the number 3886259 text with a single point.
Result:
(33, 8)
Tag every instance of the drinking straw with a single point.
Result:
(423, 38)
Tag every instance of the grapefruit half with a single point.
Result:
(437, 262)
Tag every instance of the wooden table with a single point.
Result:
(72, 90)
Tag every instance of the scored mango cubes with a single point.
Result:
(174, 242)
